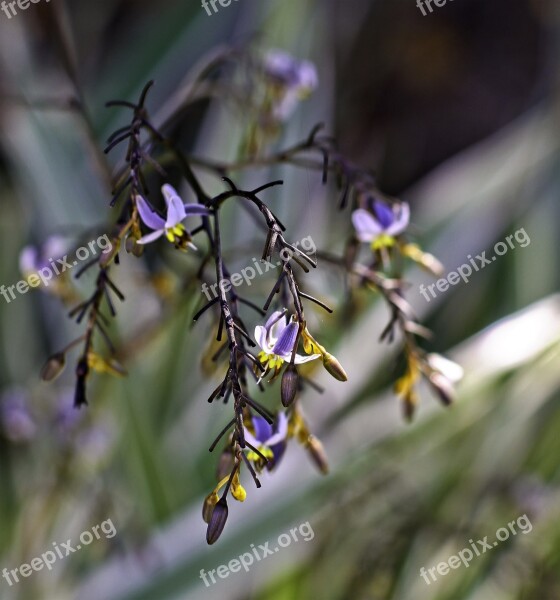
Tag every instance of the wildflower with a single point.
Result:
(381, 223)
(32, 259)
(17, 421)
(277, 339)
(269, 440)
(172, 225)
(36, 259)
(292, 80)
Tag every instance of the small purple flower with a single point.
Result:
(15, 415)
(32, 259)
(172, 225)
(380, 220)
(295, 80)
(277, 339)
(269, 440)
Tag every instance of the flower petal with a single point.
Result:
(278, 452)
(149, 217)
(274, 326)
(169, 192)
(274, 318)
(261, 339)
(300, 359)
(402, 220)
(175, 212)
(196, 209)
(367, 228)
(280, 430)
(286, 340)
(383, 213)
(263, 429)
(250, 439)
(151, 237)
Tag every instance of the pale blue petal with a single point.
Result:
(151, 237)
(402, 220)
(148, 216)
(367, 228)
(175, 212)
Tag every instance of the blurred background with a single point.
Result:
(458, 113)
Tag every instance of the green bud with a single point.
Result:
(333, 367)
(53, 367)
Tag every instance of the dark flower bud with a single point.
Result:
(217, 522)
(317, 453)
(289, 386)
(53, 367)
(82, 371)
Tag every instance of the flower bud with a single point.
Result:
(334, 368)
(53, 367)
(225, 464)
(442, 387)
(317, 453)
(217, 522)
(132, 247)
(208, 507)
(107, 257)
(289, 386)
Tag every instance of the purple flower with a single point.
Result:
(16, 418)
(269, 440)
(295, 80)
(172, 225)
(33, 259)
(277, 339)
(380, 220)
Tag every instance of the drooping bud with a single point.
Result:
(443, 388)
(107, 257)
(410, 401)
(427, 261)
(82, 371)
(208, 507)
(225, 464)
(289, 386)
(333, 367)
(132, 247)
(53, 367)
(217, 522)
(317, 453)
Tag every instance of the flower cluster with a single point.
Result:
(282, 347)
